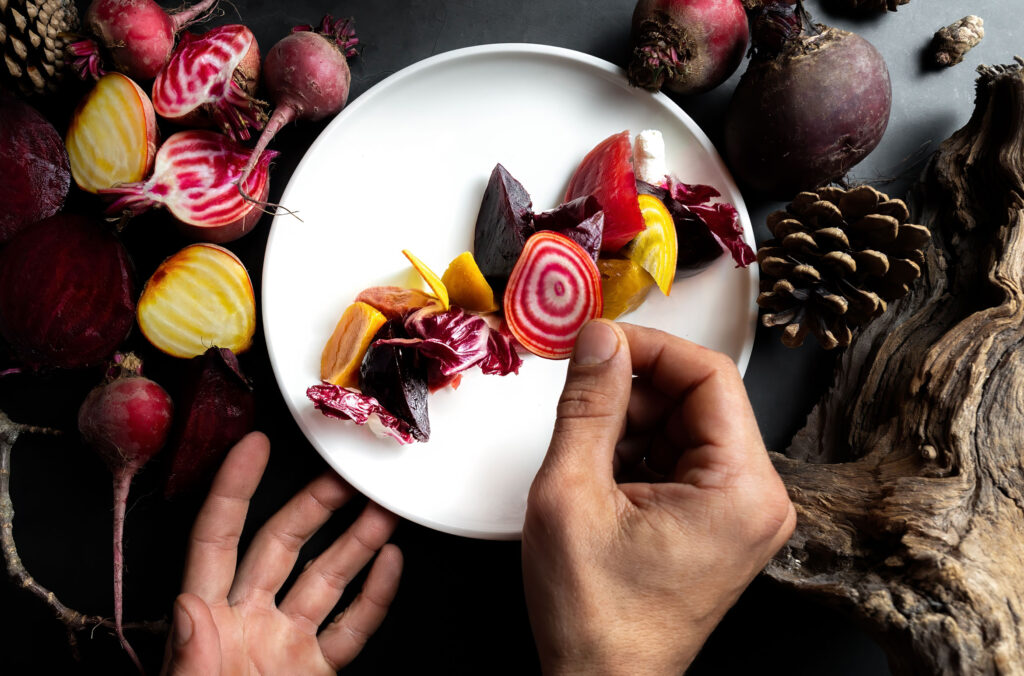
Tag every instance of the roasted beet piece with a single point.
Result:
(393, 375)
(502, 227)
(581, 220)
(216, 409)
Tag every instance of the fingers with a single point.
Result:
(592, 409)
(275, 547)
(193, 647)
(213, 547)
(342, 640)
(321, 585)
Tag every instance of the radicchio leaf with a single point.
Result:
(452, 341)
(347, 404)
(581, 220)
(704, 228)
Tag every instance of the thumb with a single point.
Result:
(193, 647)
(592, 409)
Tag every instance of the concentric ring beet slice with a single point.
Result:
(607, 173)
(67, 293)
(554, 289)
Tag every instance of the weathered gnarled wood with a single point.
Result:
(909, 474)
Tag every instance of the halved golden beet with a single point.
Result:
(344, 351)
(198, 298)
(112, 136)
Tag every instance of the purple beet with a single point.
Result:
(34, 164)
(393, 376)
(502, 227)
(813, 102)
(215, 410)
(67, 294)
(581, 220)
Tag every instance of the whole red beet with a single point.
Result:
(813, 102)
(686, 46)
(126, 420)
(67, 293)
(35, 168)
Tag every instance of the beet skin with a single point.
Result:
(804, 117)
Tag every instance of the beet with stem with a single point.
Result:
(686, 46)
(813, 102)
(125, 420)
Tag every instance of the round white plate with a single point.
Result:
(404, 167)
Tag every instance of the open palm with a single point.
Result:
(227, 621)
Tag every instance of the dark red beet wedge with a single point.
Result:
(502, 227)
(607, 173)
(215, 410)
(392, 375)
(67, 294)
(35, 168)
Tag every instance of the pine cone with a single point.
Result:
(836, 258)
(33, 37)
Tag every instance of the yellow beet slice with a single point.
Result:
(112, 136)
(344, 351)
(432, 280)
(466, 285)
(656, 248)
(624, 286)
(198, 298)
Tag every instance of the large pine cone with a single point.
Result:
(33, 38)
(837, 256)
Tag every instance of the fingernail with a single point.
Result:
(182, 625)
(596, 344)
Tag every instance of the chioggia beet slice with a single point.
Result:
(211, 79)
(195, 179)
(199, 297)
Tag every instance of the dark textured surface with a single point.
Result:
(460, 608)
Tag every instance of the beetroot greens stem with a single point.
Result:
(281, 116)
(190, 15)
(122, 484)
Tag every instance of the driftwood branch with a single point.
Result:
(71, 618)
(909, 474)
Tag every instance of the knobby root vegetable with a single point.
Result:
(686, 46)
(125, 420)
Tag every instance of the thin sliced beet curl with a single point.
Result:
(503, 225)
(606, 172)
(35, 167)
(211, 79)
(215, 409)
(195, 177)
(394, 376)
(67, 293)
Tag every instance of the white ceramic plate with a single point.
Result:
(404, 166)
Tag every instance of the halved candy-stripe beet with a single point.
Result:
(554, 289)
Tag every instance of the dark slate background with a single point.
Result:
(460, 608)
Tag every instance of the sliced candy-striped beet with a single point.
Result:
(554, 289)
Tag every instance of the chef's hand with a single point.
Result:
(226, 621)
(630, 578)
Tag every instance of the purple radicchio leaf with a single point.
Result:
(704, 228)
(452, 341)
(347, 404)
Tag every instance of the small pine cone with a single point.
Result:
(33, 37)
(837, 257)
(950, 44)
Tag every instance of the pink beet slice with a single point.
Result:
(34, 165)
(215, 410)
(607, 173)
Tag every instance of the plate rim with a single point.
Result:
(609, 70)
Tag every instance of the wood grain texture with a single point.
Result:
(908, 476)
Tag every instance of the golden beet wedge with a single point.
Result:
(344, 351)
